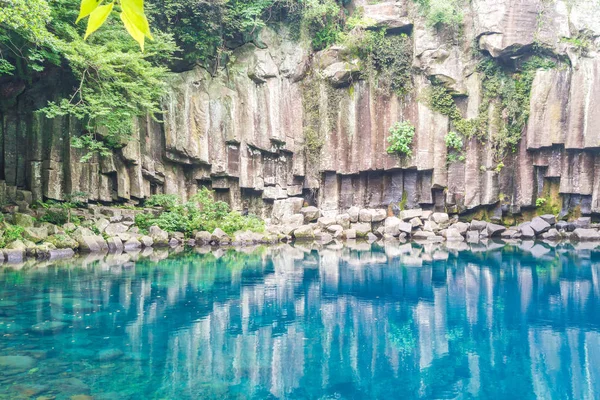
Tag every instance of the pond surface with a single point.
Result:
(340, 322)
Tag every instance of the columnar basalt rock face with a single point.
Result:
(244, 131)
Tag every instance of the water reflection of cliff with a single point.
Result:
(353, 322)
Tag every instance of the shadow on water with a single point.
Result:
(356, 321)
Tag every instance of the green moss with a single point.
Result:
(507, 89)
(479, 214)
(11, 233)
(550, 201)
(202, 213)
(402, 203)
(385, 59)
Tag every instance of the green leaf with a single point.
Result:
(133, 30)
(86, 8)
(134, 12)
(97, 18)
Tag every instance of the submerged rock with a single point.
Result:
(48, 327)
(17, 362)
(109, 354)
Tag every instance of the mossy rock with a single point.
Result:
(24, 220)
(36, 235)
(63, 242)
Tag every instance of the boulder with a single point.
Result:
(472, 236)
(310, 213)
(349, 234)
(526, 231)
(160, 237)
(286, 207)
(549, 218)
(17, 245)
(60, 254)
(439, 218)
(115, 244)
(14, 255)
(24, 220)
(325, 238)
(43, 250)
(461, 227)
(552, 234)
(422, 235)
(63, 242)
(304, 232)
(539, 225)
(407, 215)
(132, 244)
(69, 227)
(293, 220)
(392, 226)
(341, 73)
(361, 229)
(478, 225)
(416, 222)
(405, 227)
(324, 222)
(430, 226)
(146, 241)
(353, 213)
(365, 215)
(562, 225)
(36, 235)
(583, 222)
(585, 235)
(452, 234)
(115, 228)
(335, 228)
(220, 237)
(378, 215)
(495, 229)
(92, 244)
(371, 237)
(343, 220)
(203, 237)
(116, 218)
(509, 233)
(101, 224)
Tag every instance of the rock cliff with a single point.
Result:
(282, 121)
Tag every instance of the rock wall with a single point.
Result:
(243, 131)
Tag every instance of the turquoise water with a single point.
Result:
(356, 322)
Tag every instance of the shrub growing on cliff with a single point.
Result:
(323, 20)
(439, 13)
(400, 139)
(454, 144)
(392, 57)
(506, 91)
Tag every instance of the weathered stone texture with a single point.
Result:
(244, 133)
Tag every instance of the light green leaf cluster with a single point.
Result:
(401, 138)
